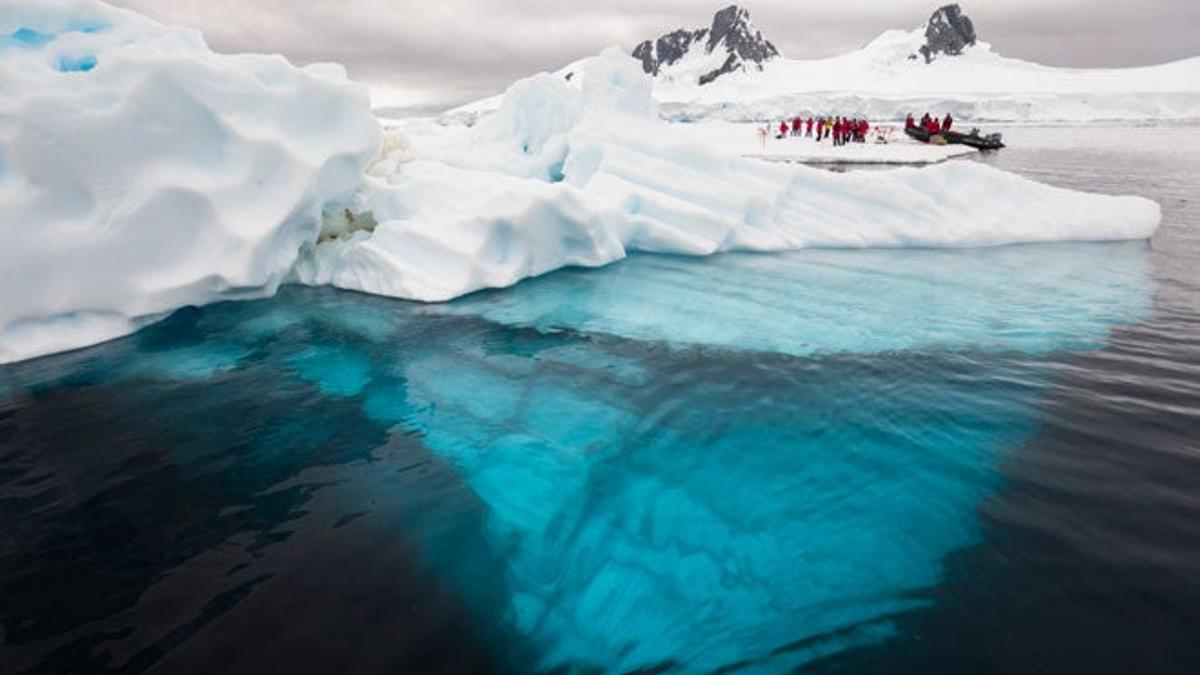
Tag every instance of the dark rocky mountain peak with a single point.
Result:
(668, 49)
(949, 31)
(731, 34)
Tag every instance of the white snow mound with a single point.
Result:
(140, 172)
(580, 173)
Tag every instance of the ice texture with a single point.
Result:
(1008, 299)
(582, 173)
(141, 172)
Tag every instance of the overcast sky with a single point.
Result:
(440, 52)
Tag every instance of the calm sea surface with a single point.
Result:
(915, 461)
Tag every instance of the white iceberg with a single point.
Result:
(582, 173)
(140, 172)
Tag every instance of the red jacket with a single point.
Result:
(783, 128)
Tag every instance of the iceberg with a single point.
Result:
(581, 173)
(141, 172)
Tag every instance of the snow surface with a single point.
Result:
(881, 82)
(581, 175)
(140, 172)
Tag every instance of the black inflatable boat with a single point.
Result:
(973, 139)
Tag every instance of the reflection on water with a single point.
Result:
(301, 480)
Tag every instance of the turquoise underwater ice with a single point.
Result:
(741, 462)
(1035, 299)
(743, 508)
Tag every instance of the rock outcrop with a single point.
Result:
(731, 34)
(948, 32)
(668, 49)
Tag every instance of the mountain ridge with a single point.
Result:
(942, 64)
(732, 45)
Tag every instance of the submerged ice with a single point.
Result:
(730, 508)
(1033, 299)
(640, 529)
(642, 507)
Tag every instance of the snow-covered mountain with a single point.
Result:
(942, 65)
(730, 45)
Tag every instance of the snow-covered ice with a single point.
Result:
(581, 174)
(140, 172)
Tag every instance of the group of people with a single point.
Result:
(930, 123)
(836, 129)
(843, 130)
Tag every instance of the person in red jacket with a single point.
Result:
(837, 131)
(783, 128)
(796, 126)
(934, 127)
(946, 123)
(909, 122)
(808, 124)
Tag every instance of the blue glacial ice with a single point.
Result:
(1021, 298)
(30, 38)
(76, 64)
(659, 487)
(720, 511)
(706, 508)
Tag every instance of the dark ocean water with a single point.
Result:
(826, 461)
